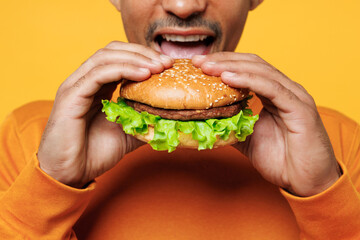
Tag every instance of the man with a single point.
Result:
(47, 175)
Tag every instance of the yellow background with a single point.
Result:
(316, 43)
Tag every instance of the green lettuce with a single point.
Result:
(166, 132)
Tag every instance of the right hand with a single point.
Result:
(78, 143)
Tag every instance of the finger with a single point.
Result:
(260, 69)
(238, 66)
(146, 51)
(78, 99)
(284, 99)
(91, 83)
(198, 60)
(112, 53)
(241, 66)
(109, 56)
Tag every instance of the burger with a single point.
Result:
(182, 107)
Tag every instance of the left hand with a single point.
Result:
(289, 146)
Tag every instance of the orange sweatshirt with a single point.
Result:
(187, 194)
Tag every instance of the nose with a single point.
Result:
(184, 8)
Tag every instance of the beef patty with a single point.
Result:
(189, 114)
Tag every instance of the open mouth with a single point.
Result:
(184, 46)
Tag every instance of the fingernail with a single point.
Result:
(228, 74)
(144, 70)
(165, 58)
(210, 64)
(155, 62)
(199, 57)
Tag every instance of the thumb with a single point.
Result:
(132, 143)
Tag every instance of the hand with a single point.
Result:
(289, 146)
(78, 143)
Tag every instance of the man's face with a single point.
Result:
(183, 28)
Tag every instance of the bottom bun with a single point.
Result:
(186, 140)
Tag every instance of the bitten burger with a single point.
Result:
(182, 107)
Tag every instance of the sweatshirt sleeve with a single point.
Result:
(332, 214)
(335, 213)
(32, 204)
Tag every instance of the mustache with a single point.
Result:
(174, 21)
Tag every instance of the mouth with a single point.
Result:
(177, 44)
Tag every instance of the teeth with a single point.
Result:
(179, 38)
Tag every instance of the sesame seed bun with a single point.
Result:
(183, 86)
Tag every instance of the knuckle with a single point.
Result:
(246, 76)
(99, 54)
(311, 113)
(79, 82)
(60, 90)
(101, 51)
(137, 54)
(290, 95)
(62, 94)
(280, 89)
(310, 100)
(254, 56)
(250, 76)
(305, 95)
(222, 54)
(88, 61)
(122, 65)
(93, 72)
(96, 58)
(268, 68)
(278, 71)
(217, 56)
(277, 87)
(301, 87)
(114, 44)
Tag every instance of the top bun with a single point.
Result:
(183, 86)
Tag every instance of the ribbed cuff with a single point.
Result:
(332, 214)
(38, 205)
